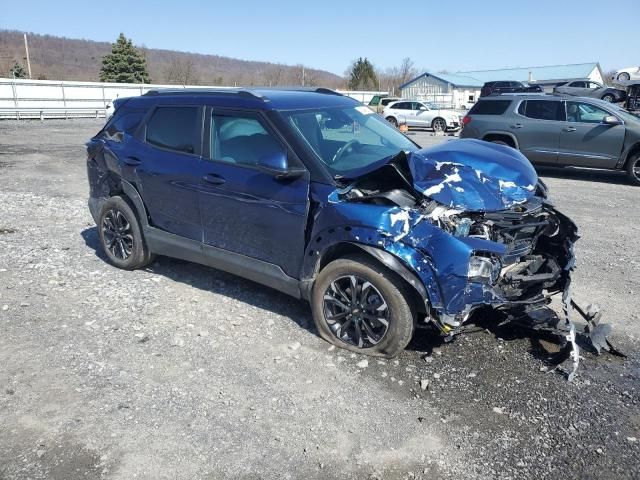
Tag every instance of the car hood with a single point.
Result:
(473, 175)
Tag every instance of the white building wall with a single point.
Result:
(435, 90)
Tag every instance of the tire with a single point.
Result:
(633, 169)
(121, 236)
(624, 77)
(439, 124)
(608, 98)
(388, 292)
(392, 121)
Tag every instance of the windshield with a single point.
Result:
(348, 138)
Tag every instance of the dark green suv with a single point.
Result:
(560, 130)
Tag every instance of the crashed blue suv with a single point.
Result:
(313, 194)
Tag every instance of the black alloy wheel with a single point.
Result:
(117, 234)
(355, 311)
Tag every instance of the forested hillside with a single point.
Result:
(59, 58)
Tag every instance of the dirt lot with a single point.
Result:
(183, 372)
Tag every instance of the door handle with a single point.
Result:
(517, 125)
(214, 179)
(570, 129)
(133, 161)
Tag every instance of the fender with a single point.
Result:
(132, 193)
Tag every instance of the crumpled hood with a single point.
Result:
(473, 175)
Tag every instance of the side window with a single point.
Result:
(416, 106)
(544, 110)
(241, 139)
(124, 121)
(401, 106)
(522, 108)
(578, 84)
(585, 113)
(175, 128)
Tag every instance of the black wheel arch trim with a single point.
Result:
(504, 134)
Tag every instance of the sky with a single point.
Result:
(436, 35)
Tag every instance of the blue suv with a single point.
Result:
(313, 194)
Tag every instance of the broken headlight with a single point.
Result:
(483, 269)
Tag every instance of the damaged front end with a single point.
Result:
(472, 222)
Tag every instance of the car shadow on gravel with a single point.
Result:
(585, 174)
(216, 281)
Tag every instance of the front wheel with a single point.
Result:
(624, 77)
(439, 124)
(633, 169)
(361, 306)
(121, 235)
(608, 98)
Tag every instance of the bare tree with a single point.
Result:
(274, 75)
(182, 71)
(391, 78)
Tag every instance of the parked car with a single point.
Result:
(421, 114)
(588, 88)
(560, 130)
(632, 104)
(379, 236)
(500, 87)
(626, 74)
(379, 102)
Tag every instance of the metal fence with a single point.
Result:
(22, 99)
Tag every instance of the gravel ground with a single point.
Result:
(183, 372)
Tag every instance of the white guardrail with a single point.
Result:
(40, 99)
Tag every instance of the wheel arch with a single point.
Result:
(419, 295)
(511, 139)
(633, 151)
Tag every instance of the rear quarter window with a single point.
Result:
(125, 120)
(490, 107)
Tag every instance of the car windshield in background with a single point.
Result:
(348, 138)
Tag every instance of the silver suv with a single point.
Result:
(559, 130)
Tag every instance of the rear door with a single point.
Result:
(537, 127)
(246, 210)
(587, 142)
(165, 164)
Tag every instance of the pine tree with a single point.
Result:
(362, 75)
(125, 64)
(18, 71)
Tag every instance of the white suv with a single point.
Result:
(422, 114)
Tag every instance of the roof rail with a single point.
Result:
(204, 91)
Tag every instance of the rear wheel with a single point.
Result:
(392, 121)
(361, 306)
(624, 77)
(121, 235)
(633, 169)
(439, 124)
(608, 98)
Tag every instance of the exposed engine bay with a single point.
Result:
(523, 253)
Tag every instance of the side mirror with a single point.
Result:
(611, 120)
(276, 164)
(423, 109)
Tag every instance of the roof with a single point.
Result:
(477, 79)
(538, 74)
(454, 79)
(263, 98)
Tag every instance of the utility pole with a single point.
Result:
(26, 48)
